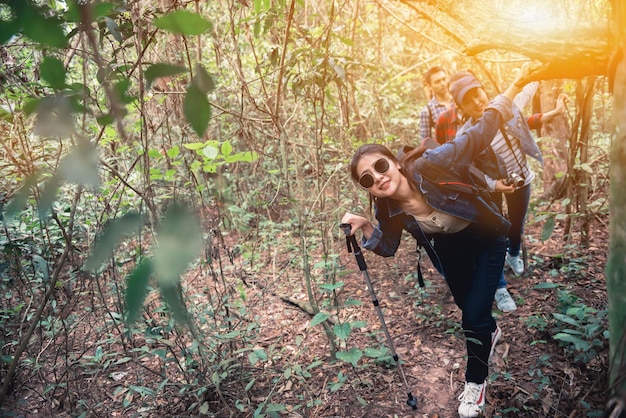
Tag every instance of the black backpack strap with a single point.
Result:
(508, 144)
(420, 277)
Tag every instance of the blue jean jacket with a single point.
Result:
(455, 157)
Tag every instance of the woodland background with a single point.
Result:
(173, 175)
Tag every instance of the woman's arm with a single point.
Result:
(526, 95)
(383, 240)
(358, 222)
(558, 109)
(472, 141)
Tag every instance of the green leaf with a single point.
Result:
(153, 153)
(80, 166)
(197, 109)
(261, 354)
(6, 114)
(48, 195)
(374, 353)
(101, 10)
(41, 266)
(275, 407)
(203, 80)
(43, 30)
(548, 228)
(113, 28)
(257, 355)
(142, 390)
(98, 354)
(162, 70)
(105, 119)
(194, 146)
(547, 286)
(353, 356)
(18, 203)
(183, 22)
(54, 116)
(332, 286)
(250, 384)
(30, 105)
(121, 90)
(8, 30)
(248, 156)
(226, 148)
(173, 297)
(53, 72)
(566, 319)
(579, 344)
(137, 289)
(343, 330)
(173, 152)
(319, 318)
(179, 242)
(110, 236)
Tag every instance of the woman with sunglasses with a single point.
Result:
(467, 232)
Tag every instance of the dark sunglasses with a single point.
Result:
(381, 166)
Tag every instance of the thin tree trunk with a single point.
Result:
(582, 176)
(580, 133)
(554, 146)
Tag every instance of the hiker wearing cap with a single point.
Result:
(436, 81)
(467, 231)
(448, 124)
(505, 162)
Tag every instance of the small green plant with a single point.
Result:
(581, 330)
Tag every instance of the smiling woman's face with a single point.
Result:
(474, 102)
(384, 184)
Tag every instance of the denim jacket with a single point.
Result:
(455, 156)
(517, 127)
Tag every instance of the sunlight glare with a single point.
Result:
(534, 16)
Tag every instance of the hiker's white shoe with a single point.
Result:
(504, 301)
(472, 400)
(516, 263)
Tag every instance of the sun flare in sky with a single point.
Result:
(531, 15)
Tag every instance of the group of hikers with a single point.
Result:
(448, 192)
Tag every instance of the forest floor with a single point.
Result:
(531, 374)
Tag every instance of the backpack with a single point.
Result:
(473, 183)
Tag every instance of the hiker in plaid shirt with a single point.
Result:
(448, 123)
(436, 80)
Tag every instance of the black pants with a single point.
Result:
(472, 262)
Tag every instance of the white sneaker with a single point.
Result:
(516, 263)
(495, 337)
(472, 400)
(504, 301)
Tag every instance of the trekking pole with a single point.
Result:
(353, 247)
